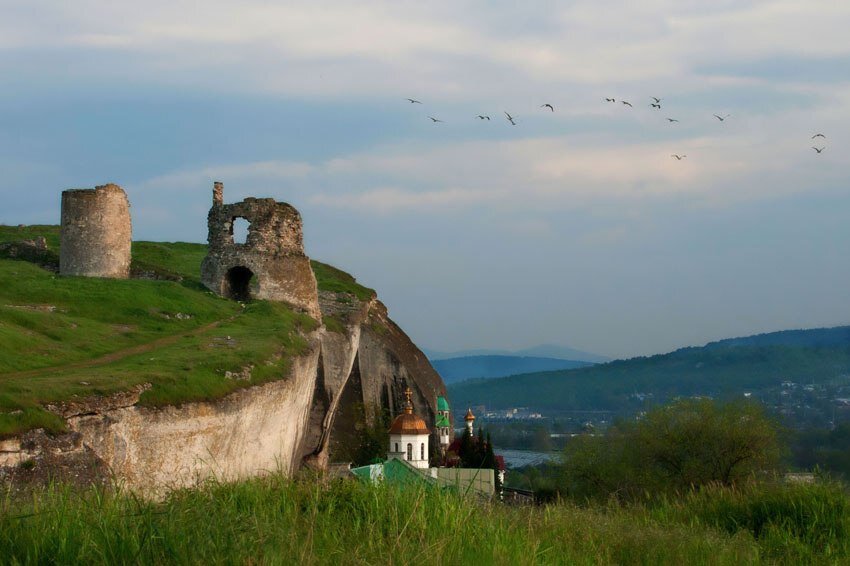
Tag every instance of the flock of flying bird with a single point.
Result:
(656, 105)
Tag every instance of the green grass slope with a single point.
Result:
(65, 338)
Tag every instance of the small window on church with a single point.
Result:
(422, 451)
(409, 452)
(396, 447)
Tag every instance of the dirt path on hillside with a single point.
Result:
(120, 354)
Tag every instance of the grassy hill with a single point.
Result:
(72, 337)
(721, 370)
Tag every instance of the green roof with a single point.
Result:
(394, 471)
(442, 404)
(442, 420)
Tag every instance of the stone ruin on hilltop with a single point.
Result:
(96, 237)
(96, 232)
(270, 265)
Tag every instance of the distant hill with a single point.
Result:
(817, 337)
(468, 367)
(541, 351)
(720, 369)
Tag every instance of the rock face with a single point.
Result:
(270, 265)
(248, 433)
(369, 365)
(96, 232)
(278, 426)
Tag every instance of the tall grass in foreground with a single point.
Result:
(797, 523)
(278, 521)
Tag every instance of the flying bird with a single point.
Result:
(721, 118)
(549, 106)
(413, 101)
(678, 157)
(671, 120)
(434, 119)
(818, 136)
(627, 103)
(819, 150)
(510, 119)
(656, 106)
(656, 99)
(610, 100)
(480, 117)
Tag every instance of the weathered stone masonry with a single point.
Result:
(96, 232)
(273, 254)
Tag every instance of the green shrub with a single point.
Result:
(673, 448)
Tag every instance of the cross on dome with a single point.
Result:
(408, 408)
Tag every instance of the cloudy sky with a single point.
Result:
(574, 227)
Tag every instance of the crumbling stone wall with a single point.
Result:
(96, 232)
(270, 265)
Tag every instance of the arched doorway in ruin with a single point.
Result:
(239, 283)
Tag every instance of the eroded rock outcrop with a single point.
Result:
(278, 426)
(250, 432)
(365, 368)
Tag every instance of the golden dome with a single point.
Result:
(407, 422)
(469, 416)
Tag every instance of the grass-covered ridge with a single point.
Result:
(277, 521)
(72, 337)
(331, 279)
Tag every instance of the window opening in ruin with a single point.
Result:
(239, 229)
(239, 283)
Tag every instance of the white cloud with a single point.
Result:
(393, 199)
(467, 52)
(275, 171)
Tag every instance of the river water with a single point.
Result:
(520, 458)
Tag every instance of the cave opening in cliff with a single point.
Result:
(240, 281)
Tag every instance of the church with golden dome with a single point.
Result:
(409, 453)
(409, 437)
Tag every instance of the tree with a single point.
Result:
(684, 445)
(542, 440)
(369, 439)
(466, 452)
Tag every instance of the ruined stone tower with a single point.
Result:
(96, 232)
(270, 265)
